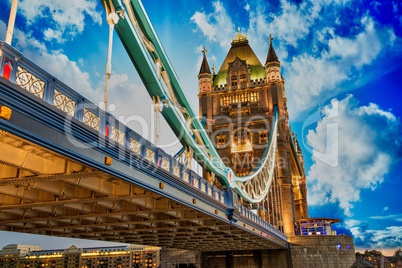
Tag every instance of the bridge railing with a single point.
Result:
(22, 72)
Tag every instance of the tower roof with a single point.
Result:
(271, 52)
(204, 65)
(241, 49)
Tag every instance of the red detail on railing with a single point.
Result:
(7, 68)
(107, 131)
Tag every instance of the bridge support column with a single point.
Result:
(286, 188)
(287, 209)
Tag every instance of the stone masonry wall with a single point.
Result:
(246, 259)
(172, 257)
(322, 251)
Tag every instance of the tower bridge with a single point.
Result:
(62, 175)
(69, 168)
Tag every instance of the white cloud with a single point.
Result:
(3, 28)
(314, 78)
(202, 21)
(364, 154)
(50, 34)
(217, 26)
(389, 237)
(292, 24)
(131, 104)
(124, 104)
(310, 78)
(289, 25)
(361, 49)
(354, 227)
(55, 62)
(395, 217)
(66, 17)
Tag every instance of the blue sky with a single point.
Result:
(341, 61)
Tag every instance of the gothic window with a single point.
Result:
(220, 141)
(244, 97)
(235, 98)
(225, 100)
(272, 74)
(243, 79)
(233, 78)
(204, 87)
(263, 137)
(253, 97)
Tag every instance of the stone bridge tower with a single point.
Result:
(238, 103)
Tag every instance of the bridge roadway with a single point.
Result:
(68, 169)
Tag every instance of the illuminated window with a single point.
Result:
(220, 141)
(225, 100)
(253, 97)
(235, 98)
(244, 97)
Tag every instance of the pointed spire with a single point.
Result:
(204, 65)
(271, 52)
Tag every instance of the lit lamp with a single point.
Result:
(5, 112)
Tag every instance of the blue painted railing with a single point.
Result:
(22, 72)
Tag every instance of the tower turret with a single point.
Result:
(204, 76)
(272, 64)
(274, 79)
(205, 87)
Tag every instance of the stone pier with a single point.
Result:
(304, 252)
(322, 251)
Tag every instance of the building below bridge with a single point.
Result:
(24, 256)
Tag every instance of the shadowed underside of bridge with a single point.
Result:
(80, 202)
(45, 191)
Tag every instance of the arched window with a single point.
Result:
(243, 76)
(243, 79)
(233, 78)
(244, 97)
(235, 98)
(225, 100)
(221, 141)
(253, 97)
(263, 137)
